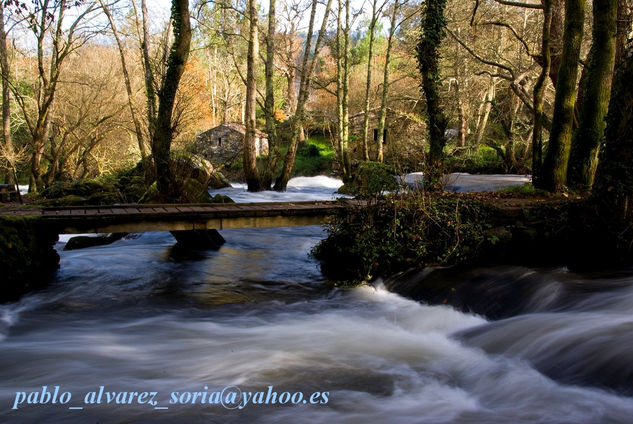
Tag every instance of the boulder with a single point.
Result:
(218, 180)
(82, 242)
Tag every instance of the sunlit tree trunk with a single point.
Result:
(486, 108)
(164, 128)
(342, 88)
(462, 119)
(370, 58)
(269, 106)
(148, 72)
(138, 131)
(382, 117)
(250, 148)
(6, 93)
(307, 68)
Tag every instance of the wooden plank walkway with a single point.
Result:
(178, 217)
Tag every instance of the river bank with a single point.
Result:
(28, 259)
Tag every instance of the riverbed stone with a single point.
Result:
(83, 242)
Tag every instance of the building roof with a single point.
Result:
(235, 126)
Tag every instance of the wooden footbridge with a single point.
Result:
(182, 217)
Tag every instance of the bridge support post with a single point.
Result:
(199, 239)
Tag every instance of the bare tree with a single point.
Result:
(49, 19)
(307, 68)
(342, 86)
(382, 119)
(375, 10)
(269, 107)
(6, 92)
(138, 129)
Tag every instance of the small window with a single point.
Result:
(219, 141)
(375, 135)
(384, 136)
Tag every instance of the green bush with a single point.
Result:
(371, 179)
(399, 232)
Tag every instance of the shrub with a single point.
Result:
(400, 232)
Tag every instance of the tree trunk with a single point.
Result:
(433, 27)
(291, 77)
(128, 84)
(539, 92)
(557, 30)
(269, 107)
(382, 117)
(342, 89)
(555, 164)
(346, 164)
(613, 187)
(625, 17)
(6, 96)
(148, 73)
(370, 58)
(583, 156)
(339, 88)
(164, 129)
(489, 96)
(462, 120)
(250, 148)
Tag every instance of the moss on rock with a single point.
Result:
(28, 259)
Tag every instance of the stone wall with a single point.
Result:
(224, 143)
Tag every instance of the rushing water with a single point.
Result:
(138, 316)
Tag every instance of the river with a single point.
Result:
(140, 316)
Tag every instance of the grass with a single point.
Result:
(315, 157)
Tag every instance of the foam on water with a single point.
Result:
(299, 189)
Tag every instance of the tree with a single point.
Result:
(269, 106)
(6, 92)
(250, 149)
(49, 19)
(539, 92)
(587, 138)
(382, 117)
(613, 188)
(372, 33)
(555, 163)
(342, 87)
(307, 68)
(164, 124)
(138, 131)
(433, 28)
